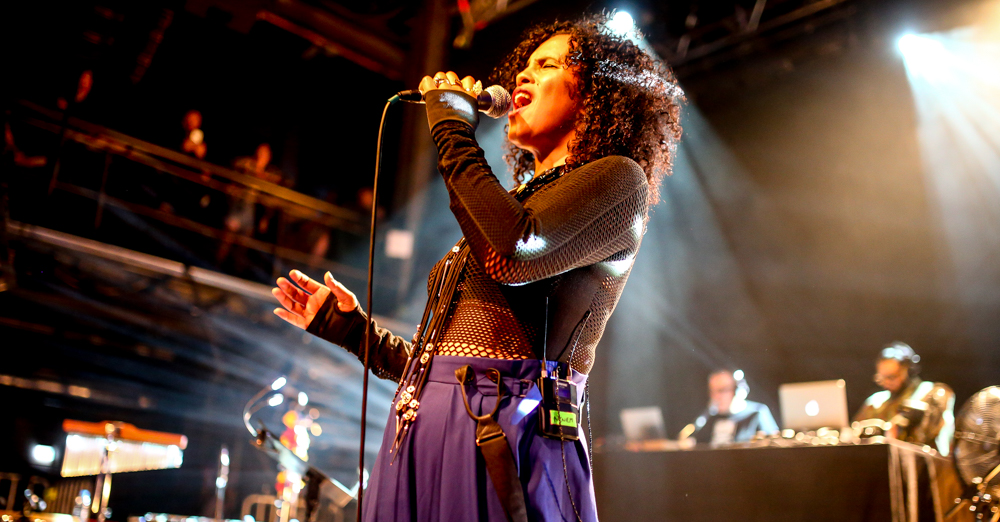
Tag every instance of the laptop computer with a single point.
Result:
(645, 423)
(807, 406)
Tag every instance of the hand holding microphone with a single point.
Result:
(449, 80)
(494, 101)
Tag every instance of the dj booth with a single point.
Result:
(890, 481)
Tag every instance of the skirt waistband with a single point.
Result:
(518, 375)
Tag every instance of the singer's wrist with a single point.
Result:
(340, 328)
(451, 105)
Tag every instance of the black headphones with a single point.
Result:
(902, 353)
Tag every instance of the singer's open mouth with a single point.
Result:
(521, 99)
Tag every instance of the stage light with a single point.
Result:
(275, 399)
(621, 23)
(303, 399)
(924, 56)
(920, 47)
(278, 383)
(43, 455)
(906, 43)
(738, 375)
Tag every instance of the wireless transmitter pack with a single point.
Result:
(559, 412)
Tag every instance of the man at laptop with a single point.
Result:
(921, 412)
(730, 417)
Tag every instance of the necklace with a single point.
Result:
(536, 182)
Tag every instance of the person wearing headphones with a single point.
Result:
(917, 411)
(730, 417)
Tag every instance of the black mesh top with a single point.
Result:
(572, 242)
(557, 261)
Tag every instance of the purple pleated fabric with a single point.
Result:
(439, 474)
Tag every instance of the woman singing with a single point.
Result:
(526, 292)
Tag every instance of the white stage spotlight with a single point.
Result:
(924, 55)
(906, 43)
(621, 23)
(275, 400)
(916, 46)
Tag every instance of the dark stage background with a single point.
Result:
(825, 201)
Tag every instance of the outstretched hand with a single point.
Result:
(302, 302)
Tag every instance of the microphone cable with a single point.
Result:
(371, 322)
(499, 103)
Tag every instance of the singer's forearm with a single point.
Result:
(387, 353)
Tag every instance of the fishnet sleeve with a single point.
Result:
(582, 218)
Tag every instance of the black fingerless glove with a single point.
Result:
(387, 352)
(450, 105)
(345, 329)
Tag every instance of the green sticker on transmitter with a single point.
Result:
(562, 418)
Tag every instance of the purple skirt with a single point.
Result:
(439, 473)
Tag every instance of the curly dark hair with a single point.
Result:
(630, 102)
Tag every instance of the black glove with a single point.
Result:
(451, 105)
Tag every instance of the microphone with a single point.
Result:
(494, 101)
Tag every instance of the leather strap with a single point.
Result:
(496, 452)
(500, 465)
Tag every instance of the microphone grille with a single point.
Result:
(501, 101)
